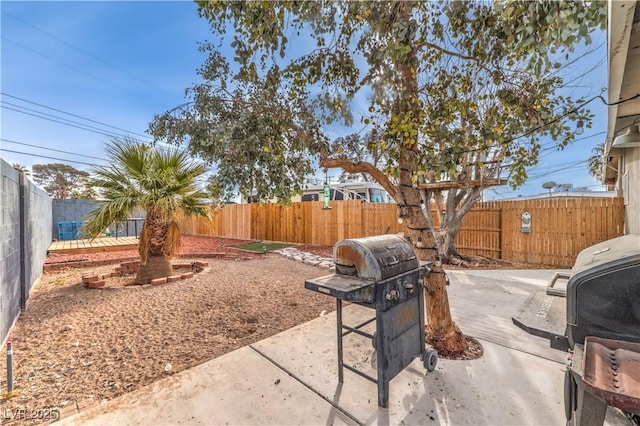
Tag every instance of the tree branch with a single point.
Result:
(451, 207)
(361, 167)
(460, 194)
(438, 199)
(446, 51)
(257, 109)
(470, 199)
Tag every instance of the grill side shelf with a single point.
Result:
(343, 287)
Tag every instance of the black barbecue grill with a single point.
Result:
(382, 273)
(602, 332)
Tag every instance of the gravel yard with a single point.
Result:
(75, 347)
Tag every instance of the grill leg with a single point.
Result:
(383, 393)
(339, 325)
(422, 314)
(591, 410)
(383, 380)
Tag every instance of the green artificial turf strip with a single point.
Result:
(261, 247)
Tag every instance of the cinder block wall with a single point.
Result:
(70, 210)
(9, 248)
(22, 248)
(37, 216)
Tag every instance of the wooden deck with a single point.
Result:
(92, 246)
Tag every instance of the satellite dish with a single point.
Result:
(549, 186)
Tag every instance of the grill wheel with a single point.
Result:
(635, 417)
(569, 395)
(430, 359)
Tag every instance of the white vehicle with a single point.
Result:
(364, 191)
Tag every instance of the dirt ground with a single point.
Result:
(75, 347)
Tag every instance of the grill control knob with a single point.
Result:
(409, 288)
(392, 295)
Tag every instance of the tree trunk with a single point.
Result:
(441, 331)
(154, 263)
(447, 243)
(155, 267)
(459, 203)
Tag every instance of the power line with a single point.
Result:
(50, 149)
(80, 71)
(548, 123)
(23, 110)
(585, 73)
(67, 121)
(61, 122)
(562, 167)
(73, 115)
(88, 54)
(551, 147)
(572, 166)
(82, 127)
(575, 60)
(47, 157)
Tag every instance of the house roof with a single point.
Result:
(564, 195)
(623, 51)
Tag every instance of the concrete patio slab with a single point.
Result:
(483, 303)
(544, 312)
(503, 387)
(239, 388)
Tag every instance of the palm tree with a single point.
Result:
(19, 167)
(162, 183)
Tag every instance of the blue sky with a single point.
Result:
(119, 63)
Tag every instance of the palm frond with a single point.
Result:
(141, 177)
(128, 153)
(98, 220)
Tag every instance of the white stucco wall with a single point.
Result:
(631, 171)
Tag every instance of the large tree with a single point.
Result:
(450, 91)
(59, 180)
(162, 183)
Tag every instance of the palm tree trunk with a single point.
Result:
(155, 267)
(157, 227)
(154, 263)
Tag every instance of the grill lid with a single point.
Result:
(597, 257)
(374, 258)
(603, 293)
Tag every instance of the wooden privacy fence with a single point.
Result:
(304, 222)
(560, 227)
